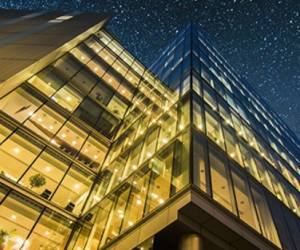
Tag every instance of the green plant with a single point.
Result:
(4, 235)
(37, 180)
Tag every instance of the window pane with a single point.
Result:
(213, 129)
(70, 138)
(51, 232)
(47, 81)
(220, 181)
(197, 116)
(232, 146)
(160, 183)
(4, 132)
(136, 201)
(264, 215)
(74, 189)
(199, 163)
(92, 153)
(45, 122)
(149, 146)
(48, 167)
(16, 154)
(243, 199)
(18, 217)
(19, 104)
(67, 97)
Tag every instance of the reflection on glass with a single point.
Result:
(16, 154)
(51, 232)
(264, 216)
(220, 181)
(19, 104)
(68, 98)
(48, 167)
(45, 122)
(18, 217)
(213, 129)
(199, 163)
(243, 199)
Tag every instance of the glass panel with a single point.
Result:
(47, 81)
(149, 146)
(51, 232)
(136, 201)
(220, 181)
(4, 132)
(48, 169)
(19, 104)
(264, 215)
(116, 216)
(209, 97)
(117, 106)
(84, 81)
(70, 139)
(100, 223)
(17, 217)
(168, 128)
(45, 122)
(232, 146)
(73, 191)
(197, 116)
(160, 183)
(92, 153)
(249, 161)
(243, 199)
(68, 98)
(213, 129)
(15, 155)
(199, 163)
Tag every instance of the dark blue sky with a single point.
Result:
(259, 38)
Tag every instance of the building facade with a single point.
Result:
(98, 152)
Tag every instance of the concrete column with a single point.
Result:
(191, 241)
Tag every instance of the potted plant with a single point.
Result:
(4, 237)
(37, 181)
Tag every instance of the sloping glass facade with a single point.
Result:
(94, 144)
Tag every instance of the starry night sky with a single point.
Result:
(259, 38)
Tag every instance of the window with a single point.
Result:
(115, 218)
(264, 216)
(70, 138)
(51, 232)
(220, 181)
(245, 206)
(68, 98)
(213, 129)
(67, 66)
(45, 122)
(133, 160)
(89, 112)
(209, 97)
(18, 217)
(4, 132)
(159, 189)
(197, 116)
(101, 93)
(73, 191)
(84, 81)
(16, 154)
(232, 146)
(196, 85)
(249, 161)
(149, 146)
(117, 107)
(136, 201)
(92, 153)
(168, 128)
(19, 105)
(199, 163)
(47, 81)
(51, 169)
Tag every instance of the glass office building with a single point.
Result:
(99, 152)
